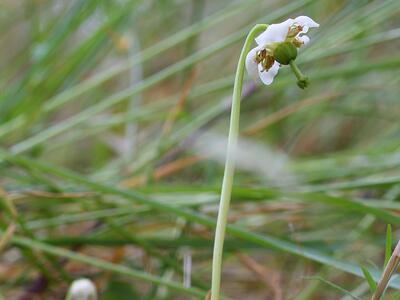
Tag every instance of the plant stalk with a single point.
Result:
(230, 165)
(387, 273)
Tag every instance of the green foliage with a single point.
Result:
(370, 279)
(388, 245)
(335, 286)
(119, 290)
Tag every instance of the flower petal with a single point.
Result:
(82, 289)
(274, 33)
(251, 65)
(268, 76)
(303, 38)
(306, 23)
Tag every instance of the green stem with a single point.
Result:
(296, 70)
(230, 164)
(302, 80)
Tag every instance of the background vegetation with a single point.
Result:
(113, 123)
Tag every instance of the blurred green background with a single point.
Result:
(113, 126)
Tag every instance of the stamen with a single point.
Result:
(267, 63)
(265, 59)
(260, 55)
(294, 30)
(298, 43)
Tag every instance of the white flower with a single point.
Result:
(260, 61)
(82, 289)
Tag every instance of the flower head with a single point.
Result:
(277, 46)
(82, 289)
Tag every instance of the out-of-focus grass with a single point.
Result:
(113, 119)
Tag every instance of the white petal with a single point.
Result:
(268, 76)
(82, 289)
(251, 65)
(274, 33)
(303, 38)
(306, 21)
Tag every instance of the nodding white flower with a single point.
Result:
(262, 61)
(82, 289)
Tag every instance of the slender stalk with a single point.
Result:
(387, 273)
(230, 165)
(302, 81)
(296, 70)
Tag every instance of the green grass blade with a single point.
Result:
(104, 265)
(371, 282)
(263, 240)
(388, 245)
(335, 286)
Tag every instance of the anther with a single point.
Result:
(294, 30)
